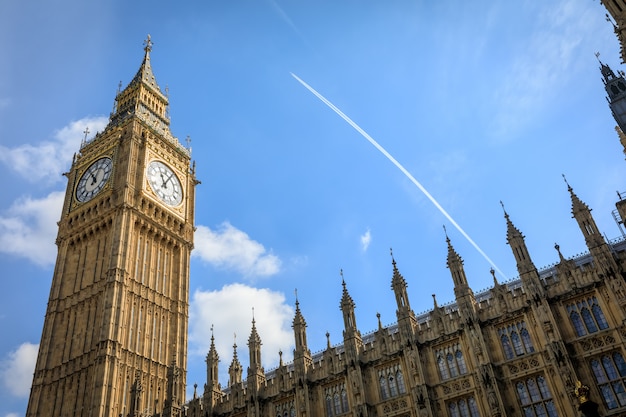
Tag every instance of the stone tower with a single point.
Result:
(114, 340)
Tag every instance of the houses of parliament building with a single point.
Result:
(114, 341)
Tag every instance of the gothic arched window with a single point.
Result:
(599, 316)
(517, 343)
(587, 316)
(579, 327)
(329, 406)
(400, 381)
(384, 390)
(506, 347)
(535, 397)
(588, 319)
(443, 369)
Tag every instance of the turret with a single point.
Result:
(615, 87)
(256, 373)
(234, 370)
(406, 317)
(347, 307)
(463, 293)
(299, 330)
(594, 240)
(212, 389)
(212, 359)
(173, 399)
(525, 266)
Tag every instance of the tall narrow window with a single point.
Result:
(131, 325)
(528, 344)
(443, 369)
(165, 266)
(590, 323)
(344, 400)
(145, 262)
(329, 406)
(157, 280)
(454, 370)
(154, 321)
(393, 388)
(400, 382)
(138, 343)
(337, 402)
(506, 347)
(535, 397)
(384, 390)
(460, 362)
(610, 373)
(517, 344)
(138, 259)
(161, 340)
(599, 317)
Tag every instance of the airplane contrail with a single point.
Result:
(400, 167)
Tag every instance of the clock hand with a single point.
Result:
(163, 180)
(168, 179)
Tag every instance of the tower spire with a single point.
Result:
(525, 266)
(235, 369)
(615, 87)
(399, 287)
(299, 329)
(407, 322)
(594, 240)
(212, 360)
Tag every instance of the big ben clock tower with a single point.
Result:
(114, 341)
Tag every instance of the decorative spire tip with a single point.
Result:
(147, 44)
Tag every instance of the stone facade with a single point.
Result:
(517, 349)
(114, 340)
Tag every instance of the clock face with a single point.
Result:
(165, 183)
(93, 179)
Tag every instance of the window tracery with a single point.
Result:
(587, 316)
(450, 361)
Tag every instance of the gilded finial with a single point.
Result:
(581, 392)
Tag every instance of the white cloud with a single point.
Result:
(16, 371)
(230, 248)
(366, 238)
(12, 415)
(28, 229)
(50, 157)
(229, 310)
(536, 75)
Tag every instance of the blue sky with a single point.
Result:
(480, 102)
